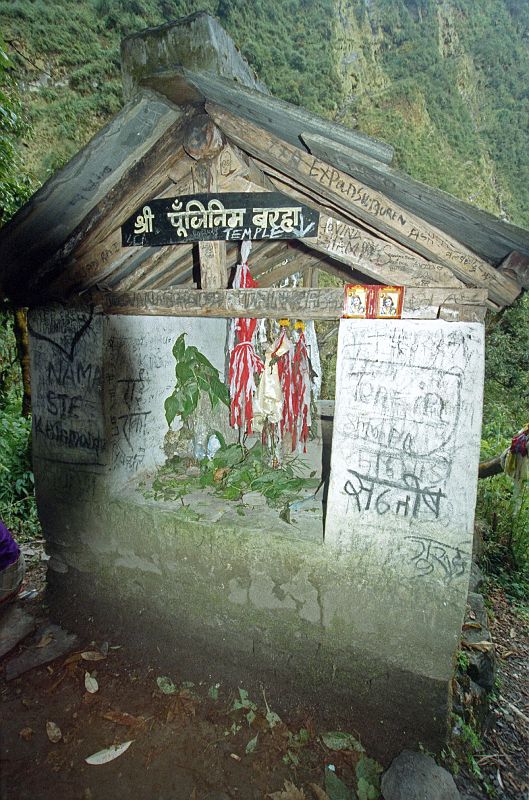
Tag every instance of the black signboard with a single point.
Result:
(208, 217)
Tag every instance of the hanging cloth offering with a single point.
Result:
(283, 352)
(516, 464)
(301, 379)
(244, 361)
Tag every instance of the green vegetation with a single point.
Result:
(506, 410)
(231, 473)
(17, 502)
(194, 374)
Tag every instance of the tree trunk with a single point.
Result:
(22, 340)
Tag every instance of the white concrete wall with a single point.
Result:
(98, 389)
(406, 446)
(139, 374)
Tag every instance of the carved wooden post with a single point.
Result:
(203, 142)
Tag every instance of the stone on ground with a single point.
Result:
(415, 776)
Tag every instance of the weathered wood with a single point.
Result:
(181, 85)
(144, 179)
(482, 232)
(68, 202)
(384, 261)
(272, 303)
(212, 255)
(492, 467)
(516, 266)
(455, 312)
(283, 271)
(367, 203)
(202, 138)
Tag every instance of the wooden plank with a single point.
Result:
(271, 303)
(283, 271)
(212, 255)
(181, 85)
(368, 204)
(516, 266)
(482, 232)
(384, 261)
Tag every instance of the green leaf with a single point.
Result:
(368, 773)
(252, 744)
(335, 788)
(184, 372)
(250, 716)
(172, 408)
(338, 740)
(366, 791)
(272, 718)
(179, 348)
(213, 692)
(166, 685)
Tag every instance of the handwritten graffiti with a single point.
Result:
(68, 437)
(407, 498)
(432, 557)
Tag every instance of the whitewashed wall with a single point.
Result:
(406, 444)
(98, 389)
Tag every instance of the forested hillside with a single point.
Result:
(445, 82)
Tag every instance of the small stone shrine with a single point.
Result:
(351, 596)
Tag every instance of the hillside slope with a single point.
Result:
(444, 81)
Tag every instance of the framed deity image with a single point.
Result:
(389, 302)
(356, 302)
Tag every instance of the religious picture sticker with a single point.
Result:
(363, 301)
(355, 303)
(389, 302)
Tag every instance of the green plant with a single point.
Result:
(462, 660)
(194, 374)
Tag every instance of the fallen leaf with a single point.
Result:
(483, 647)
(122, 718)
(73, 659)
(104, 756)
(235, 756)
(290, 792)
(45, 640)
(509, 653)
(165, 685)
(54, 732)
(318, 791)
(91, 685)
(476, 626)
(338, 740)
(252, 744)
(219, 473)
(92, 655)
(26, 733)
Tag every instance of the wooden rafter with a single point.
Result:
(368, 204)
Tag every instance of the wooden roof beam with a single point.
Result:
(368, 204)
(419, 303)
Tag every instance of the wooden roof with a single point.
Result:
(376, 224)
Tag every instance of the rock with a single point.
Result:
(482, 666)
(476, 578)
(415, 776)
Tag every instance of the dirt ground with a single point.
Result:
(204, 741)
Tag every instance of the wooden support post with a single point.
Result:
(212, 255)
